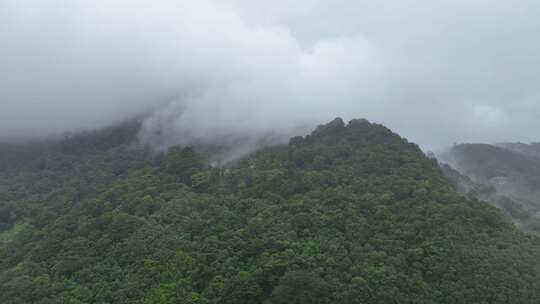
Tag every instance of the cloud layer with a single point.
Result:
(437, 72)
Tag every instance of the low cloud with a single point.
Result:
(208, 70)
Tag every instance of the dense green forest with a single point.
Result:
(351, 213)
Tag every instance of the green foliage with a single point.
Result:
(348, 214)
(9, 234)
(300, 288)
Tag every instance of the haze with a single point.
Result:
(437, 72)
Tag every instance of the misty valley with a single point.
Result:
(350, 213)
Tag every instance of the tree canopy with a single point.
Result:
(351, 213)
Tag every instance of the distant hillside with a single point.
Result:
(351, 213)
(71, 146)
(512, 171)
(532, 149)
(495, 164)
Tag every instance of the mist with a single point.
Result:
(437, 72)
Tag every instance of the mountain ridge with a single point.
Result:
(351, 213)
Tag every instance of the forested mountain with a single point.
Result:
(490, 163)
(506, 175)
(348, 214)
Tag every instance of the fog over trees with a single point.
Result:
(437, 72)
(188, 151)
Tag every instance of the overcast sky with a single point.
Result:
(437, 72)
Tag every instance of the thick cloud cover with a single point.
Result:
(437, 72)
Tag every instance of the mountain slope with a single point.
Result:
(511, 171)
(348, 214)
(498, 164)
(532, 149)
